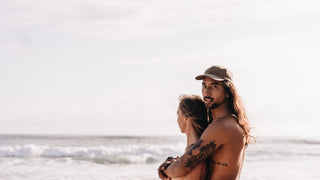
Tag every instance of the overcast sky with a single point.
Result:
(118, 67)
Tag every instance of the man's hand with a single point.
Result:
(164, 166)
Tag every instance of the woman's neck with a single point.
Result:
(192, 136)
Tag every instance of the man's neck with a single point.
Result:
(220, 111)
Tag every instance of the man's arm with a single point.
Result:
(202, 149)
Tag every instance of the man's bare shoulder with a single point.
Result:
(227, 122)
(227, 125)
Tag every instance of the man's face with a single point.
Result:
(213, 93)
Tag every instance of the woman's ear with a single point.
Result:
(185, 119)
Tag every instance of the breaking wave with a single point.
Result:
(133, 154)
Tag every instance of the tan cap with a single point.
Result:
(218, 73)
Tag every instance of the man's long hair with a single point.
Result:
(236, 106)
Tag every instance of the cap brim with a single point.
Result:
(217, 78)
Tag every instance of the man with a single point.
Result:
(225, 139)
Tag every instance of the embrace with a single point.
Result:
(217, 131)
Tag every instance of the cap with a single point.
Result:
(218, 73)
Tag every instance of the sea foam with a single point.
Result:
(98, 154)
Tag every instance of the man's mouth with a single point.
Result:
(207, 100)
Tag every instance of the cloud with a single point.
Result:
(175, 40)
(139, 18)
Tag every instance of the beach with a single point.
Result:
(131, 157)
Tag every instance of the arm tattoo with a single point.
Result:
(194, 155)
(196, 145)
(205, 152)
(219, 163)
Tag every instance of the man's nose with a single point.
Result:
(207, 91)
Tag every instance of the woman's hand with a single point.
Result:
(164, 166)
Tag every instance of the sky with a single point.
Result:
(106, 67)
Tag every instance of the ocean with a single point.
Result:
(38, 157)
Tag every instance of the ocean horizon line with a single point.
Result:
(144, 136)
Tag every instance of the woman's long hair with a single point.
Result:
(237, 108)
(194, 108)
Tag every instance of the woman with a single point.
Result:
(192, 120)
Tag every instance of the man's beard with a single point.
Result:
(214, 105)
